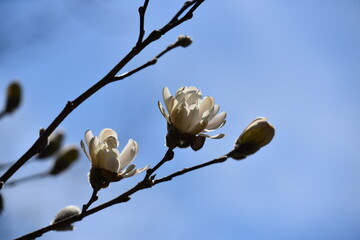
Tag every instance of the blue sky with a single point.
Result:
(295, 62)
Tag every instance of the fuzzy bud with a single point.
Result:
(53, 146)
(66, 212)
(65, 158)
(13, 97)
(255, 136)
(184, 40)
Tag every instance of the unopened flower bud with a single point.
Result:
(53, 146)
(13, 97)
(184, 40)
(65, 158)
(255, 136)
(63, 214)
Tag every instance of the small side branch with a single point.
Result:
(144, 184)
(28, 178)
(168, 156)
(142, 11)
(190, 169)
(92, 199)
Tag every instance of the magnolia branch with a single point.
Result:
(146, 183)
(142, 11)
(184, 14)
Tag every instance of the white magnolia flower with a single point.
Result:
(104, 154)
(192, 114)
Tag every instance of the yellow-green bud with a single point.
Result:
(255, 136)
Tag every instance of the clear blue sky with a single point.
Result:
(295, 62)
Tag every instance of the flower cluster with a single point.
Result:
(107, 163)
(189, 117)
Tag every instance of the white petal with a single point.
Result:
(106, 133)
(112, 164)
(129, 168)
(171, 104)
(193, 99)
(166, 95)
(217, 136)
(199, 127)
(94, 147)
(217, 122)
(180, 90)
(206, 104)
(162, 110)
(84, 150)
(214, 111)
(180, 118)
(105, 159)
(134, 172)
(128, 154)
(88, 136)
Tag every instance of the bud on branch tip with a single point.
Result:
(255, 136)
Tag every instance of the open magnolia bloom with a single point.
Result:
(255, 136)
(189, 117)
(107, 163)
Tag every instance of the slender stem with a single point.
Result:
(142, 11)
(110, 77)
(144, 184)
(186, 5)
(28, 178)
(92, 199)
(169, 48)
(148, 63)
(167, 157)
(186, 170)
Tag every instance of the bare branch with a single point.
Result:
(110, 77)
(144, 184)
(142, 11)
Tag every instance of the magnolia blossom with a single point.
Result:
(259, 132)
(190, 113)
(255, 136)
(104, 155)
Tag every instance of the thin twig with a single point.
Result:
(186, 5)
(147, 64)
(92, 199)
(168, 156)
(186, 170)
(144, 184)
(142, 11)
(28, 178)
(110, 77)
